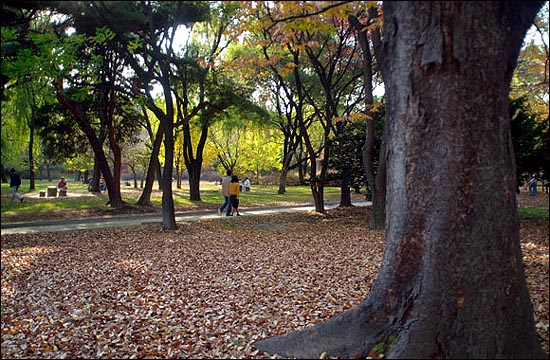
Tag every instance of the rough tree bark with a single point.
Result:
(451, 284)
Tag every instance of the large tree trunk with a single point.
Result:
(195, 180)
(168, 210)
(452, 283)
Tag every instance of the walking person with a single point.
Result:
(225, 192)
(246, 184)
(533, 185)
(15, 182)
(234, 191)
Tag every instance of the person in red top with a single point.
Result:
(62, 185)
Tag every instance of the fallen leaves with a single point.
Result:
(207, 290)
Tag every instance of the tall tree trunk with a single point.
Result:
(345, 190)
(48, 172)
(3, 174)
(194, 181)
(282, 180)
(451, 283)
(32, 184)
(168, 211)
(145, 197)
(117, 154)
(378, 217)
(96, 177)
(376, 184)
(318, 191)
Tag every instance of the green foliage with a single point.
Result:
(346, 157)
(531, 74)
(103, 34)
(210, 194)
(530, 140)
(59, 133)
(533, 213)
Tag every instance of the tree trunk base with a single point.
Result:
(347, 335)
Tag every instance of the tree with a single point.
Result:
(21, 71)
(346, 153)
(145, 34)
(376, 184)
(333, 57)
(451, 283)
(529, 93)
(528, 136)
(288, 101)
(532, 74)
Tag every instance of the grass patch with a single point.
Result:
(210, 197)
(533, 213)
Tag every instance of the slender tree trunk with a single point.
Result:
(3, 174)
(345, 190)
(48, 173)
(378, 217)
(451, 283)
(145, 197)
(282, 181)
(376, 184)
(158, 170)
(32, 184)
(117, 158)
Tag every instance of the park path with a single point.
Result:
(136, 220)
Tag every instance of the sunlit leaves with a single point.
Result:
(103, 34)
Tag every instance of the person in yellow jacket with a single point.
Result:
(234, 191)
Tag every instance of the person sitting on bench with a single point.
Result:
(62, 186)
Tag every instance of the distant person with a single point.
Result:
(246, 184)
(533, 185)
(62, 185)
(15, 182)
(225, 192)
(234, 190)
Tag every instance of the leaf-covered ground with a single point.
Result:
(207, 290)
